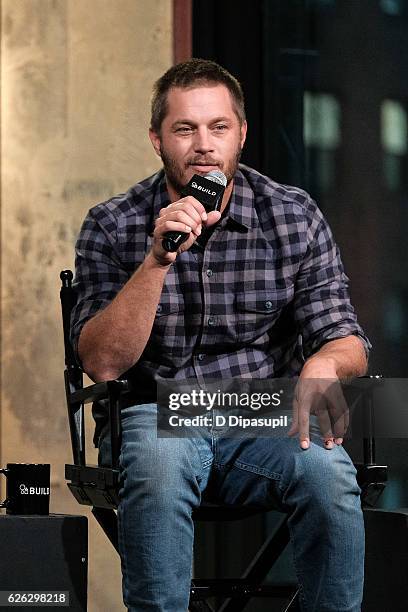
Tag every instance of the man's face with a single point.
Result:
(200, 133)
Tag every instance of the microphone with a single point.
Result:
(208, 190)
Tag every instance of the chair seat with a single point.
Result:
(223, 512)
(92, 485)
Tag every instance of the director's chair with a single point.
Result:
(98, 487)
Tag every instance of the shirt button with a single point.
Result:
(268, 305)
(212, 321)
(159, 308)
(209, 272)
(201, 357)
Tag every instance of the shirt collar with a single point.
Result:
(242, 203)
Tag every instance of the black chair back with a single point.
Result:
(73, 374)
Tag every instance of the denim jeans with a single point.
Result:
(164, 479)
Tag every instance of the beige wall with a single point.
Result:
(76, 80)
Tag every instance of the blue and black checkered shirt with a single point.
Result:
(266, 291)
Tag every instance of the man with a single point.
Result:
(257, 291)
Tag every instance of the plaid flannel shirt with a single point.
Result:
(267, 291)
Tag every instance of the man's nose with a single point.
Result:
(202, 141)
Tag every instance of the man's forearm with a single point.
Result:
(342, 358)
(113, 340)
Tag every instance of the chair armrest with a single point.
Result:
(110, 390)
(99, 391)
(92, 485)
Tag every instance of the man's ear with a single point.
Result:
(244, 128)
(155, 140)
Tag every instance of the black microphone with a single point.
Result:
(208, 190)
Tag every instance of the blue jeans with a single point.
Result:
(163, 480)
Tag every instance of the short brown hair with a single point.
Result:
(194, 72)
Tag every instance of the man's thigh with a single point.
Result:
(162, 459)
(265, 472)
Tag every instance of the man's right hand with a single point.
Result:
(113, 340)
(187, 215)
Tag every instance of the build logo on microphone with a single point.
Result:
(203, 189)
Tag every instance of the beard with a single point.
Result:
(176, 172)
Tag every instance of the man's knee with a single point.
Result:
(162, 474)
(325, 477)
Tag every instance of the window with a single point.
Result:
(395, 8)
(322, 136)
(394, 139)
(394, 318)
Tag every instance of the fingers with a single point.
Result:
(346, 417)
(295, 411)
(186, 217)
(181, 223)
(194, 209)
(304, 424)
(175, 226)
(300, 422)
(213, 217)
(323, 418)
(325, 399)
(189, 212)
(189, 205)
(339, 412)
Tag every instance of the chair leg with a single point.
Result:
(293, 604)
(261, 564)
(200, 606)
(109, 523)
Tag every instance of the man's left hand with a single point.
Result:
(318, 391)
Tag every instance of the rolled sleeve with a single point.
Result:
(323, 309)
(99, 275)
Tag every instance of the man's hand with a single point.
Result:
(319, 391)
(187, 215)
(324, 398)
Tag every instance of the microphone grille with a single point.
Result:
(217, 177)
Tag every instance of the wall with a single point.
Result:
(76, 81)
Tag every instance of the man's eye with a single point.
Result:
(220, 127)
(184, 130)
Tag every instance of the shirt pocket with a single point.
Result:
(258, 311)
